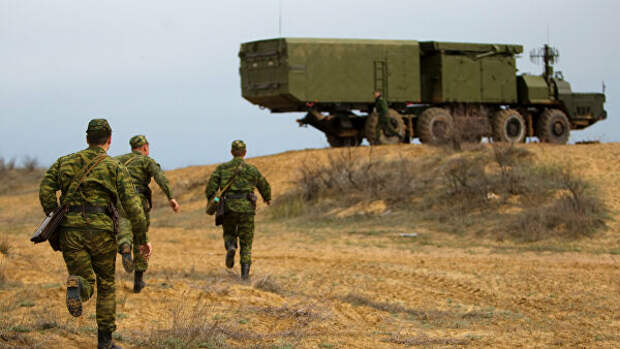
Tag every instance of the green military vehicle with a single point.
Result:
(436, 91)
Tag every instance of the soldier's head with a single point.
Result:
(237, 148)
(377, 94)
(99, 133)
(139, 143)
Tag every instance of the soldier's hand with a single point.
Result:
(174, 205)
(268, 202)
(146, 250)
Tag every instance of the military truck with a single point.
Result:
(436, 91)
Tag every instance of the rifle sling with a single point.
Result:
(74, 186)
(130, 160)
(230, 180)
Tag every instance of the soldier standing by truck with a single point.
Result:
(141, 169)
(89, 182)
(239, 204)
(384, 123)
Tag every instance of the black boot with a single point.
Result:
(104, 340)
(138, 283)
(231, 248)
(245, 271)
(125, 251)
(74, 298)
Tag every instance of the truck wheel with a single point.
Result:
(509, 126)
(370, 129)
(338, 142)
(435, 126)
(553, 127)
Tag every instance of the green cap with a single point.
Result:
(99, 127)
(237, 145)
(137, 141)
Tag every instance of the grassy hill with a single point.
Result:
(340, 271)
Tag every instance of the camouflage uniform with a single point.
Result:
(384, 123)
(141, 169)
(86, 238)
(239, 211)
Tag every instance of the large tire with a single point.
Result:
(370, 129)
(338, 142)
(435, 126)
(553, 127)
(509, 126)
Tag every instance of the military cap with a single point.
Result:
(237, 145)
(99, 127)
(137, 141)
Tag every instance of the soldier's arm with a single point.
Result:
(48, 188)
(263, 187)
(214, 184)
(132, 205)
(160, 178)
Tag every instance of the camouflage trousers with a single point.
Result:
(125, 236)
(239, 226)
(91, 256)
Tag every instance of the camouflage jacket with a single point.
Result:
(108, 182)
(246, 180)
(142, 169)
(381, 106)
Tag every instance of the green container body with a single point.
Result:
(468, 73)
(285, 74)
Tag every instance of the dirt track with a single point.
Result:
(343, 285)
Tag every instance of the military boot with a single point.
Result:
(245, 271)
(231, 249)
(74, 298)
(104, 340)
(125, 251)
(138, 283)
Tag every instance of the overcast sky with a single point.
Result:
(169, 69)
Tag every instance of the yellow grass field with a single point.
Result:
(337, 283)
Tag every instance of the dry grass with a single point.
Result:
(300, 313)
(3, 276)
(268, 283)
(19, 180)
(425, 341)
(30, 163)
(439, 318)
(189, 328)
(5, 245)
(495, 184)
(7, 165)
(576, 211)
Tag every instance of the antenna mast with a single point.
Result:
(549, 57)
(280, 18)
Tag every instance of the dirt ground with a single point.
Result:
(348, 283)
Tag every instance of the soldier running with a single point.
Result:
(239, 204)
(86, 234)
(141, 168)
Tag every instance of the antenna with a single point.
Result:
(549, 56)
(280, 18)
(604, 87)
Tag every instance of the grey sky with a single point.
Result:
(169, 69)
